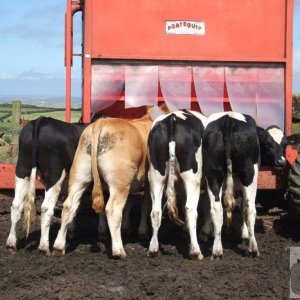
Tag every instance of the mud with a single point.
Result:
(87, 270)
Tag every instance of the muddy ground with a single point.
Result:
(87, 271)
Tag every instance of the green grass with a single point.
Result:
(31, 112)
(60, 115)
(296, 128)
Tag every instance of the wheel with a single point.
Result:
(271, 198)
(293, 189)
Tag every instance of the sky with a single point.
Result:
(32, 49)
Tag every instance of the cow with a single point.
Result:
(175, 150)
(46, 148)
(112, 152)
(233, 149)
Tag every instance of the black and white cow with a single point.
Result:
(46, 148)
(233, 149)
(174, 150)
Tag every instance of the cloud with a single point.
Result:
(31, 75)
(35, 83)
(42, 24)
(4, 76)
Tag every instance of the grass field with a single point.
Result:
(31, 112)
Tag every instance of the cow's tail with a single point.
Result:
(171, 193)
(97, 193)
(29, 201)
(229, 199)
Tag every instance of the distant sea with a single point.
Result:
(41, 101)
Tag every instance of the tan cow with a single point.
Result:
(112, 152)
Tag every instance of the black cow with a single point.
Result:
(233, 149)
(174, 149)
(46, 148)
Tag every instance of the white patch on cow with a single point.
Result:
(235, 115)
(192, 182)
(21, 189)
(215, 116)
(180, 114)
(249, 211)
(276, 134)
(172, 149)
(216, 212)
(47, 211)
(80, 178)
(157, 183)
(201, 117)
(160, 118)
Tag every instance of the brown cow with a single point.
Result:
(111, 152)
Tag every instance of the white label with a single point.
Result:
(185, 27)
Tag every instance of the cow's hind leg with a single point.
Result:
(114, 210)
(79, 181)
(216, 211)
(156, 182)
(207, 230)
(68, 213)
(21, 189)
(102, 227)
(249, 195)
(126, 226)
(47, 211)
(145, 213)
(192, 187)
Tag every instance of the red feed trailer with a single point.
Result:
(205, 55)
(211, 55)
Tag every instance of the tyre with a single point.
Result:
(293, 189)
(271, 198)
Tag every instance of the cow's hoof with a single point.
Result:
(216, 256)
(119, 255)
(57, 251)
(45, 251)
(11, 248)
(152, 253)
(196, 256)
(253, 253)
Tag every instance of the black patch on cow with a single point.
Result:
(49, 145)
(228, 139)
(271, 152)
(186, 133)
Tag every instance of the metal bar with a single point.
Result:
(87, 60)
(72, 8)
(68, 57)
(289, 66)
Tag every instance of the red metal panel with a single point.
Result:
(248, 30)
(87, 61)
(289, 68)
(7, 178)
(272, 179)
